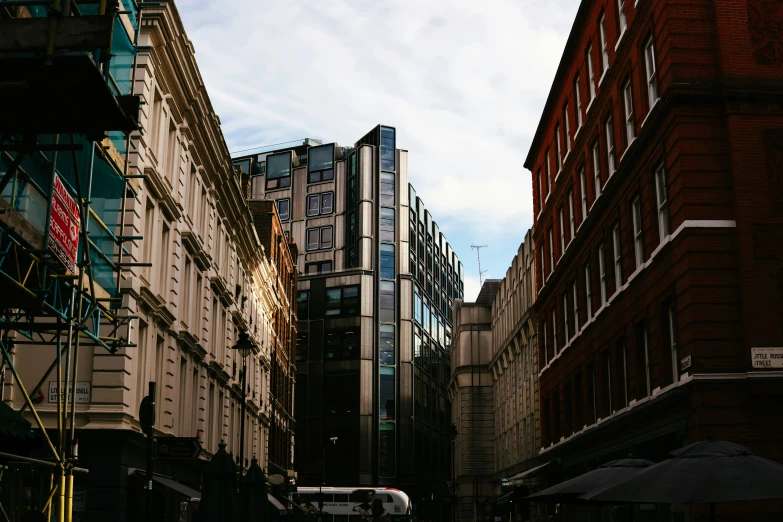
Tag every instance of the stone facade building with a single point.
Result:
(657, 197)
(211, 275)
(494, 393)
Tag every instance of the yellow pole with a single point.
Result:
(61, 498)
(69, 497)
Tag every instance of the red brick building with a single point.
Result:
(658, 193)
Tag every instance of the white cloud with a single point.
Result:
(464, 82)
(472, 289)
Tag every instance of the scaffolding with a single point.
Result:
(67, 111)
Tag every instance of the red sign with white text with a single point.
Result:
(64, 226)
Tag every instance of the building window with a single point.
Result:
(604, 46)
(319, 204)
(636, 212)
(567, 129)
(341, 344)
(278, 170)
(387, 189)
(602, 273)
(576, 307)
(590, 73)
(318, 267)
(387, 224)
(588, 292)
(342, 301)
(643, 360)
(628, 103)
(606, 363)
(320, 163)
(319, 238)
(386, 395)
(621, 16)
(583, 189)
(387, 454)
(546, 344)
(609, 145)
(663, 206)
(540, 192)
(417, 303)
(578, 102)
(597, 169)
(565, 319)
(303, 305)
(551, 251)
(388, 147)
(283, 209)
(672, 341)
(548, 174)
(301, 346)
(387, 301)
(622, 369)
(562, 232)
(649, 65)
(618, 276)
(387, 261)
(571, 213)
(554, 330)
(387, 344)
(558, 149)
(543, 265)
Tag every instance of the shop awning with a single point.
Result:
(170, 483)
(519, 477)
(272, 500)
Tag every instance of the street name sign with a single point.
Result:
(82, 392)
(178, 448)
(767, 358)
(64, 223)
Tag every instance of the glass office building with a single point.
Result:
(376, 291)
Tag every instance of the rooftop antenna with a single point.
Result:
(478, 248)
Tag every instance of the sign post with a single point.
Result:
(177, 448)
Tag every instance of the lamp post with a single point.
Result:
(244, 346)
(323, 478)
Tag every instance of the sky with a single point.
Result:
(464, 83)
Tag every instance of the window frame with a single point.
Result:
(551, 250)
(590, 71)
(616, 251)
(319, 267)
(571, 214)
(596, 153)
(650, 72)
(575, 297)
(319, 172)
(602, 273)
(321, 196)
(622, 18)
(604, 44)
(320, 238)
(565, 318)
(636, 218)
(548, 174)
(566, 129)
(578, 103)
(662, 202)
(630, 131)
(558, 150)
(588, 292)
(583, 188)
(341, 312)
(284, 181)
(554, 330)
(610, 150)
(561, 214)
(288, 211)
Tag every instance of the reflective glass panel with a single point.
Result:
(387, 261)
(386, 385)
(387, 344)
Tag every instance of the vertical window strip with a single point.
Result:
(673, 344)
(602, 273)
(628, 102)
(583, 188)
(652, 82)
(663, 207)
(588, 293)
(558, 150)
(578, 101)
(551, 251)
(565, 318)
(548, 175)
(621, 16)
(618, 276)
(637, 230)
(610, 146)
(604, 46)
(562, 232)
(597, 169)
(554, 329)
(546, 344)
(575, 297)
(567, 129)
(590, 73)
(571, 213)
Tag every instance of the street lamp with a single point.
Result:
(333, 440)
(244, 346)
